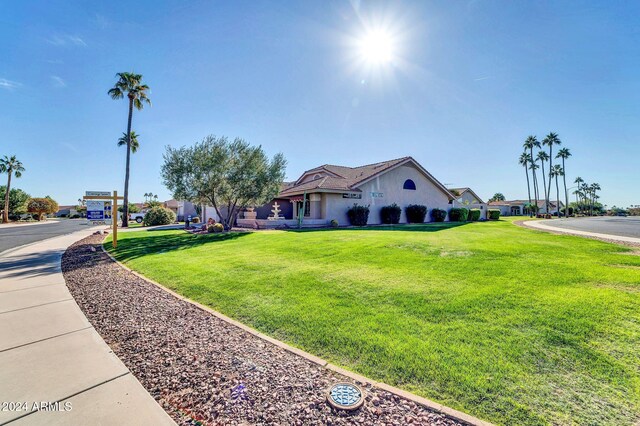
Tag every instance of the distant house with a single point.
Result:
(182, 209)
(330, 190)
(519, 207)
(465, 197)
(66, 211)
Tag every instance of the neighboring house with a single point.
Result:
(519, 207)
(182, 209)
(66, 211)
(465, 197)
(331, 190)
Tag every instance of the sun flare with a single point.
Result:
(376, 47)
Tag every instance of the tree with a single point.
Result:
(578, 181)
(229, 176)
(17, 200)
(131, 85)
(556, 172)
(42, 206)
(133, 208)
(524, 161)
(497, 197)
(530, 143)
(12, 167)
(564, 153)
(134, 141)
(542, 157)
(550, 140)
(593, 189)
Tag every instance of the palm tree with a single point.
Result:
(530, 143)
(134, 141)
(594, 188)
(524, 161)
(578, 191)
(555, 173)
(564, 153)
(543, 156)
(550, 140)
(130, 84)
(12, 167)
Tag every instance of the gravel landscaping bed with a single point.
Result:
(203, 370)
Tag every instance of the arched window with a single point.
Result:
(409, 184)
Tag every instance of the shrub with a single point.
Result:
(159, 216)
(390, 214)
(415, 213)
(474, 214)
(438, 215)
(457, 214)
(216, 227)
(358, 215)
(334, 223)
(195, 219)
(494, 214)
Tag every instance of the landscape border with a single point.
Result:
(432, 405)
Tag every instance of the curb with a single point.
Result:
(608, 238)
(434, 406)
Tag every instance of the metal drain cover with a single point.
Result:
(345, 396)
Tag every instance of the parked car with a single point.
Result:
(138, 217)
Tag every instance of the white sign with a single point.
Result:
(377, 195)
(99, 212)
(97, 193)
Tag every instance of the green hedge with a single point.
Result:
(494, 214)
(438, 215)
(390, 214)
(358, 215)
(457, 214)
(415, 213)
(159, 216)
(474, 214)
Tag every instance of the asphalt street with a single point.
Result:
(12, 236)
(611, 225)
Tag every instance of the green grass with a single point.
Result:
(511, 325)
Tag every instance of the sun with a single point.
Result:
(376, 47)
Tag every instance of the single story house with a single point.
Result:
(519, 207)
(182, 209)
(465, 197)
(331, 190)
(66, 211)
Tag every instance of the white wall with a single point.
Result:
(390, 186)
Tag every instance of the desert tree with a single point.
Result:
(529, 144)
(135, 145)
(550, 140)
(556, 172)
(542, 157)
(524, 161)
(12, 167)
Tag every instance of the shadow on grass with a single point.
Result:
(136, 247)
(421, 227)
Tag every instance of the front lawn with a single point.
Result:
(511, 325)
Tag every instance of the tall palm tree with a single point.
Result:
(594, 188)
(134, 141)
(556, 172)
(129, 84)
(524, 161)
(542, 157)
(12, 167)
(530, 143)
(564, 153)
(550, 140)
(578, 192)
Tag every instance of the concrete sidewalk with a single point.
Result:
(542, 226)
(50, 353)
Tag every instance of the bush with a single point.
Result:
(334, 223)
(438, 215)
(494, 214)
(415, 213)
(458, 214)
(195, 219)
(159, 216)
(358, 215)
(390, 214)
(216, 227)
(474, 214)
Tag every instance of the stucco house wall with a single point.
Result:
(384, 190)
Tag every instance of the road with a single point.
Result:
(12, 236)
(611, 225)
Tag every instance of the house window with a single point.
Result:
(307, 207)
(409, 184)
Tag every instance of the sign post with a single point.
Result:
(101, 207)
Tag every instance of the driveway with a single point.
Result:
(610, 225)
(15, 235)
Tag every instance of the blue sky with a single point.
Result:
(468, 82)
